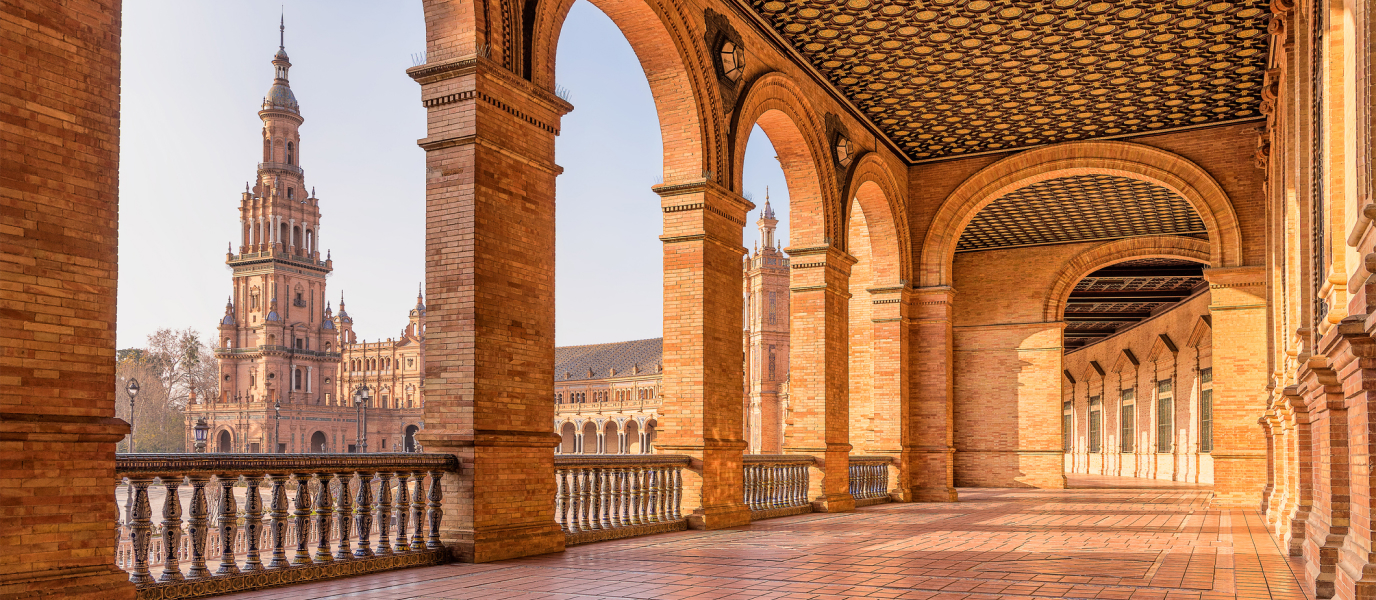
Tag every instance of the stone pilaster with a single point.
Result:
(929, 424)
(819, 367)
(701, 409)
(889, 315)
(1237, 308)
(490, 320)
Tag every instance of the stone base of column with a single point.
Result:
(500, 543)
(719, 517)
(834, 503)
(86, 583)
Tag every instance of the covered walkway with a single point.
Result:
(1154, 541)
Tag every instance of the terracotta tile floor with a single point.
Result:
(1155, 542)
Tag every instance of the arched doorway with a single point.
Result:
(226, 443)
(649, 437)
(590, 438)
(410, 439)
(318, 443)
(611, 439)
(632, 437)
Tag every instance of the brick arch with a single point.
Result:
(873, 186)
(677, 65)
(779, 107)
(1110, 253)
(1122, 159)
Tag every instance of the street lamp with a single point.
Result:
(200, 429)
(277, 423)
(360, 419)
(133, 390)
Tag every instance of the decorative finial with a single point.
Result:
(245, 187)
(282, 29)
(312, 191)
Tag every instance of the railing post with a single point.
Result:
(343, 513)
(614, 506)
(171, 530)
(636, 492)
(303, 520)
(253, 523)
(228, 524)
(403, 544)
(384, 514)
(418, 511)
(561, 497)
(198, 526)
(678, 492)
(140, 528)
(436, 512)
(575, 501)
(605, 512)
(277, 528)
(363, 514)
(324, 505)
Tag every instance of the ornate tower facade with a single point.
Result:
(278, 346)
(766, 338)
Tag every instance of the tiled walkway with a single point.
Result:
(1153, 543)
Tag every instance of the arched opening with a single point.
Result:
(283, 233)
(409, 443)
(632, 437)
(650, 427)
(318, 443)
(568, 435)
(590, 438)
(295, 235)
(611, 440)
(310, 241)
(226, 442)
(291, 155)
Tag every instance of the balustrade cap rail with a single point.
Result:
(871, 459)
(619, 460)
(779, 458)
(153, 465)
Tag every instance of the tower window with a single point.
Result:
(289, 161)
(291, 192)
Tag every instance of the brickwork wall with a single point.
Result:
(59, 165)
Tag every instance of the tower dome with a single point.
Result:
(279, 95)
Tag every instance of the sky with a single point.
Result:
(194, 73)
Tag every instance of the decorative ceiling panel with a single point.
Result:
(1096, 296)
(947, 78)
(1080, 208)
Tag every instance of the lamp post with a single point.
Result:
(133, 390)
(200, 429)
(277, 424)
(360, 419)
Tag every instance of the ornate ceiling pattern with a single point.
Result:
(1124, 294)
(947, 78)
(1080, 208)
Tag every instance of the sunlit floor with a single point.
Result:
(1158, 541)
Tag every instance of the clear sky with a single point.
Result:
(194, 73)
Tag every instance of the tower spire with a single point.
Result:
(767, 221)
(282, 30)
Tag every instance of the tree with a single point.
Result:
(174, 368)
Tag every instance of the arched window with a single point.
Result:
(297, 377)
(310, 241)
(291, 193)
(257, 234)
(290, 156)
(295, 234)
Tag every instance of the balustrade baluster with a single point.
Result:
(747, 482)
(436, 511)
(363, 514)
(594, 498)
(344, 512)
(663, 492)
(560, 504)
(253, 523)
(171, 530)
(575, 501)
(227, 524)
(198, 526)
(585, 518)
(140, 529)
(384, 514)
(637, 496)
(606, 511)
(651, 495)
(418, 512)
(678, 492)
(303, 520)
(403, 544)
(277, 514)
(324, 506)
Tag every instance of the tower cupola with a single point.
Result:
(279, 95)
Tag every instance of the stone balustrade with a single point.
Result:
(609, 496)
(339, 501)
(869, 479)
(776, 484)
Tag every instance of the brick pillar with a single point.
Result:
(58, 270)
(928, 471)
(489, 264)
(818, 366)
(703, 357)
(1327, 523)
(1238, 313)
(1356, 360)
(889, 360)
(1299, 473)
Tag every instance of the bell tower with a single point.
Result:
(278, 342)
(766, 337)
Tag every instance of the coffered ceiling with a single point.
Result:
(1114, 298)
(947, 78)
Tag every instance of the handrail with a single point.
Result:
(224, 463)
(871, 459)
(579, 460)
(779, 458)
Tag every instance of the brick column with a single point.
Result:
(59, 212)
(489, 264)
(889, 360)
(1299, 473)
(703, 357)
(928, 470)
(818, 367)
(1238, 313)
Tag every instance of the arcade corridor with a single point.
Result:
(1158, 541)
